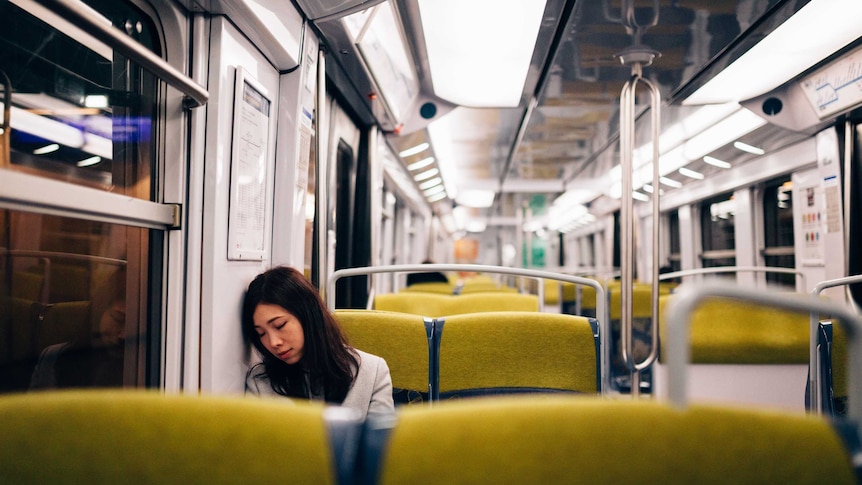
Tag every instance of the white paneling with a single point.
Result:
(223, 355)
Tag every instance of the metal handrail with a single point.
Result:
(627, 121)
(733, 269)
(814, 383)
(601, 311)
(688, 298)
(83, 17)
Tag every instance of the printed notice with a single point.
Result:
(812, 225)
(247, 215)
(833, 204)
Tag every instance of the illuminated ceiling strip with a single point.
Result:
(426, 174)
(479, 51)
(716, 162)
(815, 32)
(748, 148)
(420, 164)
(414, 150)
(690, 173)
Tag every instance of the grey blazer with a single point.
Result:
(370, 394)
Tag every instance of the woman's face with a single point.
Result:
(280, 332)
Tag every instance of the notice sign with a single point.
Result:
(248, 171)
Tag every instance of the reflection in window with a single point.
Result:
(80, 112)
(717, 230)
(778, 230)
(71, 303)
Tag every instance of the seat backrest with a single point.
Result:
(734, 332)
(434, 305)
(431, 287)
(402, 339)
(582, 440)
(150, 438)
(505, 352)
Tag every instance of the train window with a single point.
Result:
(717, 231)
(778, 229)
(71, 309)
(80, 112)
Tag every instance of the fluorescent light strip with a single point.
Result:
(690, 173)
(670, 182)
(59, 132)
(426, 174)
(89, 161)
(501, 36)
(436, 197)
(53, 147)
(639, 196)
(434, 190)
(430, 183)
(748, 148)
(816, 31)
(716, 162)
(414, 150)
(420, 164)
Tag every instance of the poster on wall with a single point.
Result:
(248, 170)
(812, 225)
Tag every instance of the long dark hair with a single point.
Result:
(326, 359)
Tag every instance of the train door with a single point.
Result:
(83, 226)
(348, 200)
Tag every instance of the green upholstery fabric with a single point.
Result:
(583, 440)
(399, 338)
(433, 287)
(641, 299)
(734, 332)
(839, 361)
(27, 285)
(517, 349)
(433, 305)
(137, 437)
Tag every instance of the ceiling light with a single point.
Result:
(414, 150)
(426, 174)
(670, 182)
(716, 162)
(500, 37)
(430, 183)
(420, 164)
(739, 124)
(639, 196)
(53, 147)
(816, 31)
(475, 225)
(436, 197)
(434, 190)
(89, 161)
(476, 198)
(748, 148)
(96, 101)
(690, 173)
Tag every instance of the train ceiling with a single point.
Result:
(563, 134)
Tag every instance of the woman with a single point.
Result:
(305, 354)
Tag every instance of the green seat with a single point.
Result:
(142, 437)
(431, 287)
(584, 440)
(402, 339)
(434, 305)
(508, 352)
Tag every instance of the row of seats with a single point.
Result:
(28, 327)
(479, 353)
(438, 305)
(141, 437)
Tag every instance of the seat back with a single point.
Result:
(735, 332)
(434, 305)
(576, 439)
(150, 438)
(431, 287)
(508, 352)
(403, 340)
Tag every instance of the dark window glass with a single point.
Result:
(717, 230)
(778, 229)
